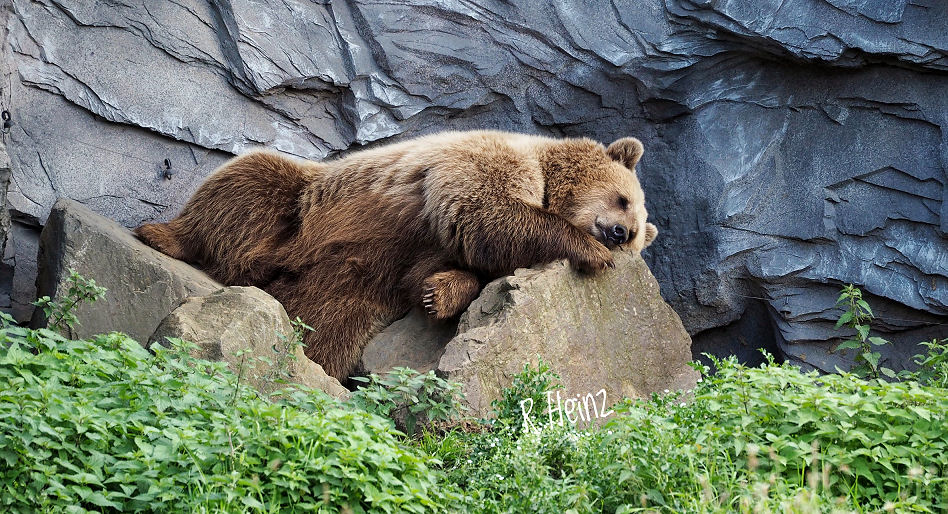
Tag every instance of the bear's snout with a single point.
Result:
(616, 234)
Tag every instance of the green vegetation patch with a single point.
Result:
(105, 425)
(768, 439)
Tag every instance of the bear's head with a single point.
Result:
(597, 190)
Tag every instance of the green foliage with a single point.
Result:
(873, 442)
(857, 315)
(284, 352)
(768, 439)
(299, 331)
(104, 425)
(932, 366)
(408, 397)
(527, 393)
(59, 313)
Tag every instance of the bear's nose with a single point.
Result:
(619, 234)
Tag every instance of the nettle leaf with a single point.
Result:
(849, 344)
(844, 319)
(863, 331)
(843, 297)
(878, 341)
(872, 358)
(921, 412)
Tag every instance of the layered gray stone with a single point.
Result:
(6, 242)
(249, 330)
(143, 285)
(791, 146)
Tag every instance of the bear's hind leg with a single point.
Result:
(343, 311)
(162, 237)
(448, 293)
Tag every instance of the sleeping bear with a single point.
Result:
(350, 245)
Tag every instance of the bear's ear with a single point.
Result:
(626, 151)
(651, 232)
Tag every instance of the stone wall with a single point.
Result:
(790, 146)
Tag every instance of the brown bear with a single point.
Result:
(350, 245)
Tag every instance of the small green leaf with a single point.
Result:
(863, 331)
(100, 500)
(848, 344)
(921, 412)
(845, 318)
(878, 341)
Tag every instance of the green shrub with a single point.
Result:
(59, 313)
(104, 425)
(408, 397)
(874, 443)
(857, 315)
(527, 393)
(750, 440)
(932, 366)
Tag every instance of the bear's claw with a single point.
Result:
(428, 300)
(446, 294)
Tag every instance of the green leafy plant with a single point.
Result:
(103, 425)
(857, 315)
(276, 367)
(767, 439)
(528, 392)
(60, 313)
(874, 442)
(408, 397)
(299, 331)
(932, 366)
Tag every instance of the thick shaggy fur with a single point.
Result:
(350, 245)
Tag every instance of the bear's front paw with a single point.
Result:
(597, 258)
(446, 294)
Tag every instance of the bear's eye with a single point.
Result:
(623, 202)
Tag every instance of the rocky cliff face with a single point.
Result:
(791, 145)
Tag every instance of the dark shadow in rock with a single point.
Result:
(744, 338)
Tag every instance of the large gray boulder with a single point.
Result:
(791, 146)
(610, 332)
(249, 330)
(143, 285)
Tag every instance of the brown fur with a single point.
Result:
(350, 245)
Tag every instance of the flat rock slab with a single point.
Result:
(250, 331)
(143, 285)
